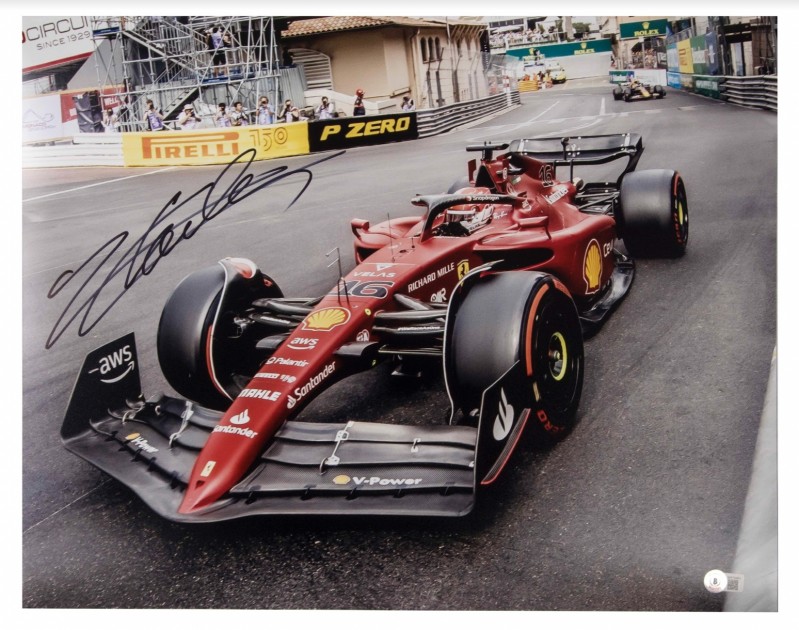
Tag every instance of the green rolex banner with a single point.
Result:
(647, 28)
(567, 49)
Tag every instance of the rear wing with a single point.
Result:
(568, 151)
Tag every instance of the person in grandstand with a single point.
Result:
(222, 117)
(407, 104)
(285, 111)
(153, 118)
(265, 115)
(217, 47)
(325, 110)
(358, 108)
(238, 116)
(188, 119)
(110, 121)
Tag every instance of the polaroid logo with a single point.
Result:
(272, 375)
(222, 144)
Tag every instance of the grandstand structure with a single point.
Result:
(168, 60)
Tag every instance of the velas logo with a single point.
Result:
(326, 319)
(592, 267)
(166, 146)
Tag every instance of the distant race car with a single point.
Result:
(496, 281)
(557, 73)
(637, 90)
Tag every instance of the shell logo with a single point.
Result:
(592, 267)
(341, 480)
(326, 319)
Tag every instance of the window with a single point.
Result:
(423, 46)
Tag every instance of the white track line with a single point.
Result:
(108, 181)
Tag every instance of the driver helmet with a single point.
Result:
(469, 215)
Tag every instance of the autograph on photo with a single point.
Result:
(132, 261)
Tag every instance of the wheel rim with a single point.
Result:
(558, 354)
(680, 212)
(557, 357)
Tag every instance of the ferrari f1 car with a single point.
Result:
(637, 90)
(497, 280)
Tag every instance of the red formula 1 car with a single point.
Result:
(498, 279)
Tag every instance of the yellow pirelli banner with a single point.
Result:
(214, 146)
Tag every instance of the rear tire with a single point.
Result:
(519, 316)
(653, 214)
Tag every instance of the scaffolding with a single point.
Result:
(170, 60)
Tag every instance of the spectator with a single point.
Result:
(295, 115)
(265, 115)
(222, 118)
(358, 108)
(110, 121)
(325, 110)
(285, 111)
(216, 46)
(188, 119)
(154, 118)
(238, 116)
(407, 104)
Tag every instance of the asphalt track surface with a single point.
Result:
(627, 514)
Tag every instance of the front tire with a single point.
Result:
(519, 316)
(202, 349)
(653, 214)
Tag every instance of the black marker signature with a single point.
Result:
(158, 241)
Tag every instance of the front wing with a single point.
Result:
(309, 467)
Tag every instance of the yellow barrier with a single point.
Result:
(528, 86)
(214, 146)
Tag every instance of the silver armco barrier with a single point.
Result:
(757, 91)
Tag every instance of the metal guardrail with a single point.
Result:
(434, 121)
(756, 91)
(86, 149)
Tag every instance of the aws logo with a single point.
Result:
(107, 366)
